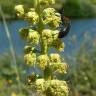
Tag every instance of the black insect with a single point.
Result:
(66, 24)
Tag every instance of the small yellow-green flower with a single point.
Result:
(55, 34)
(56, 21)
(30, 59)
(49, 12)
(51, 18)
(62, 68)
(47, 33)
(46, 2)
(59, 67)
(58, 44)
(39, 85)
(56, 88)
(47, 15)
(33, 37)
(43, 61)
(61, 47)
(55, 57)
(20, 10)
(32, 16)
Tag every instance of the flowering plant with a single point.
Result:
(42, 32)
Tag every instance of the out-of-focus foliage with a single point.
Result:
(93, 1)
(9, 77)
(82, 74)
(80, 8)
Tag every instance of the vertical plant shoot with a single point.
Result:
(41, 35)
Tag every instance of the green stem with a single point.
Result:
(43, 44)
(47, 73)
(40, 25)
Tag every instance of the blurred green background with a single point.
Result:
(80, 50)
(72, 8)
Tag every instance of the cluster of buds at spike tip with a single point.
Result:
(46, 2)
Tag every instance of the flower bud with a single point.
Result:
(32, 16)
(20, 10)
(60, 67)
(33, 37)
(49, 12)
(46, 2)
(51, 18)
(47, 36)
(43, 61)
(56, 21)
(47, 33)
(58, 44)
(61, 47)
(47, 15)
(55, 57)
(40, 85)
(30, 58)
